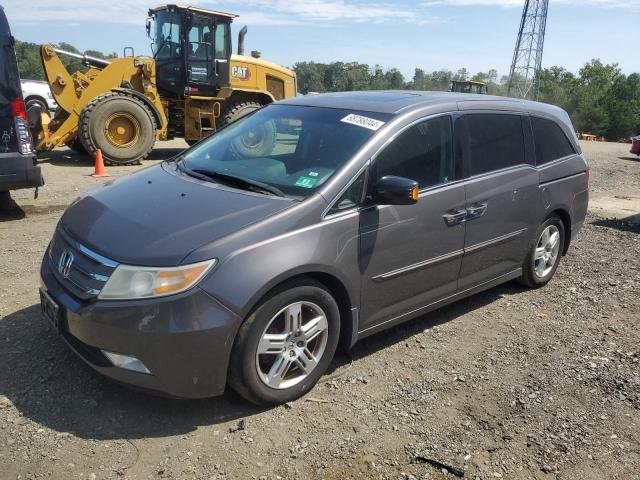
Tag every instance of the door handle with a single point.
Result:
(476, 210)
(454, 217)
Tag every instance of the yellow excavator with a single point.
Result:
(191, 86)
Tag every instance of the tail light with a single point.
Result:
(25, 143)
(18, 109)
(588, 176)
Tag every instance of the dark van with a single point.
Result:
(312, 221)
(18, 167)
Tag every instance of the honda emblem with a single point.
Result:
(65, 262)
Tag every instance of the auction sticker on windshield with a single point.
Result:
(366, 122)
(306, 182)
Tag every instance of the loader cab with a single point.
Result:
(468, 86)
(192, 49)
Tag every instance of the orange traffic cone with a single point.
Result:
(100, 170)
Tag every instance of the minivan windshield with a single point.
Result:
(291, 149)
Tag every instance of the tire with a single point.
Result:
(536, 272)
(236, 109)
(120, 125)
(256, 143)
(76, 146)
(249, 372)
(36, 101)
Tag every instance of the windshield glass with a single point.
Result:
(293, 148)
(167, 35)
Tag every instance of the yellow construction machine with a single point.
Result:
(191, 86)
(468, 86)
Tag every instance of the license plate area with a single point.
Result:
(50, 310)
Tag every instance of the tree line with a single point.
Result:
(600, 99)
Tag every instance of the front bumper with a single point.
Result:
(185, 340)
(19, 171)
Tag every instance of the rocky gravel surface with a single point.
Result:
(510, 383)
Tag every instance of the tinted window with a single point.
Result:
(293, 148)
(495, 141)
(551, 142)
(350, 198)
(422, 153)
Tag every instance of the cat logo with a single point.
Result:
(241, 73)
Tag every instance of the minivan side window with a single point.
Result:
(550, 141)
(422, 153)
(495, 141)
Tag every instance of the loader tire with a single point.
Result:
(120, 125)
(235, 109)
(258, 142)
(76, 146)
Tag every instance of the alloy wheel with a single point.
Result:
(547, 251)
(291, 345)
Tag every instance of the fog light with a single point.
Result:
(127, 362)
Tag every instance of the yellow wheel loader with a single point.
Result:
(191, 86)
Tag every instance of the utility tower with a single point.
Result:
(527, 57)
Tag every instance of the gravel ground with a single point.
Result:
(510, 383)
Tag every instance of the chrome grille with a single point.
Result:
(83, 271)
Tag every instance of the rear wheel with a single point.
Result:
(120, 125)
(235, 109)
(76, 145)
(544, 256)
(286, 344)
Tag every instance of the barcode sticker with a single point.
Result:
(366, 122)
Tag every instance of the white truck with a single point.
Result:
(37, 92)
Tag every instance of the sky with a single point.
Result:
(429, 34)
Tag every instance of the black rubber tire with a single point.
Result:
(235, 109)
(76, 146)
(92, 121)
(32, 101)
(529, 277)
(243, 375)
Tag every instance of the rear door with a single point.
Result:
(502, 195)
(411, 254)
(9, 87)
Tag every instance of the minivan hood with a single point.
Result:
(158, 216)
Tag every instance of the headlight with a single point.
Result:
(128, 282)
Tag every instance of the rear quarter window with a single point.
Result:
(495, 141)
(550, 141)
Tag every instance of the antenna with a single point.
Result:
(527, 57)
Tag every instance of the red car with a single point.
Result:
(635, 145)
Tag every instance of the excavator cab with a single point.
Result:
(468, 86)
(192, 50)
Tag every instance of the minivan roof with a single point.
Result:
(401, 101)
(396, 102)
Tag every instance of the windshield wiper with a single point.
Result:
(244, 183)
(241, 182)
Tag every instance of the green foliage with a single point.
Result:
(30, 64)
(600, 99)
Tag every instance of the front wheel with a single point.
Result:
(544, 256)
(286, 344)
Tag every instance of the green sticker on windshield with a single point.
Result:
(306, 182)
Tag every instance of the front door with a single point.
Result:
(502, 196)
(207, 55)
(410, 255)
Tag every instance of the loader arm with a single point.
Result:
(74, 91)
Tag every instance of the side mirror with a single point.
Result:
(392, 190)
(148, 27)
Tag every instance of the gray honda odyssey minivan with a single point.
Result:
(311, 222)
